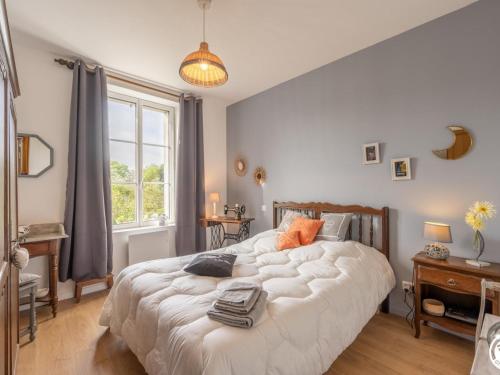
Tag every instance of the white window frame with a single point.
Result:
(169, 182)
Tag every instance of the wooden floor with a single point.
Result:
(74, 343)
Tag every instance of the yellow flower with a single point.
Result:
(470, 218)
(485, 209)
(473, 220)
(478, 224)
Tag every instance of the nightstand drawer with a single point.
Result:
(450, 280)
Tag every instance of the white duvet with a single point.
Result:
(320, 297)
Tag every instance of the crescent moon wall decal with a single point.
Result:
(461, 144)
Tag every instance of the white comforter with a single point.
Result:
(320, 297)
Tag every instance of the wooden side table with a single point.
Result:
(49, 248)
(44, 239)
(456, 284)
(218, 233)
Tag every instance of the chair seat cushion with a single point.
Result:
(25, 278)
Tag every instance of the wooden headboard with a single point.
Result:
(361, 213)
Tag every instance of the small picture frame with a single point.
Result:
(401, 169)
(371, 153)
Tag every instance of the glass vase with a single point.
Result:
(478, 244)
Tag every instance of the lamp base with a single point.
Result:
(477, 263)
(437, 251)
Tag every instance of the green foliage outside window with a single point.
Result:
(124, 195)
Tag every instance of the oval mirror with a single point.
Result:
(34, 155)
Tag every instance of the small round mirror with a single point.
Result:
(240, 167)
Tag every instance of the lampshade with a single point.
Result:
(437, 232)
(214, 197)
(203, 68)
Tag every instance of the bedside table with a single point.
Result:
(456, 284)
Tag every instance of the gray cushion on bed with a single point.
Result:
(216, 265)
(335, 226)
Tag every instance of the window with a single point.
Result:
(141, 140)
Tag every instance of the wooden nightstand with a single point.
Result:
(456, 284)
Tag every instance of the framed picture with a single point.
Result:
(401, 169)
(371, 154)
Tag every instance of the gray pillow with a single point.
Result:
(288, 219)
(335, 226)
(215, 265)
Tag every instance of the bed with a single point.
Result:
(320, 297)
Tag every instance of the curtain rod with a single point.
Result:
(126, 78)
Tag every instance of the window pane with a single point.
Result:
(122, 157)
(154, 125)
(121, 120)
(153, 202)
(153, 161)
(124, 203)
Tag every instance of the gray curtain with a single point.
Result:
(190, 192)
(87, 253)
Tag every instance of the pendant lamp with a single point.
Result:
(202, 67)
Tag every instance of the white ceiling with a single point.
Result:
(262, 42)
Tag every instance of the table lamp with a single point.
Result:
(439, 234)
(214, 198)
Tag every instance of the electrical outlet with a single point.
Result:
(407, 285)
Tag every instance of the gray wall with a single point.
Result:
(403, 92)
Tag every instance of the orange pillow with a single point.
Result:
(308, 228)
(288, 240)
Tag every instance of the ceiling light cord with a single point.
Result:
(204, 38)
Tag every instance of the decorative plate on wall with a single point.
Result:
(240, 167)
(259, 176)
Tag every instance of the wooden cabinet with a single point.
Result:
(455, 283)
(9, 300)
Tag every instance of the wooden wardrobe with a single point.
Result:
(9, 276)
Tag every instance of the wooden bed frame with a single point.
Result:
(314, 210)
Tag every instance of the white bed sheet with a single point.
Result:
(320, 297)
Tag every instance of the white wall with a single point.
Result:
(214, 128)
(43, 109)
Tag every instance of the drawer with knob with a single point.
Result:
(451, 280)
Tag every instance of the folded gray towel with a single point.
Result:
(239, 295)
(241, 321)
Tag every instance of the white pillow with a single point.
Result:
(288, 219)
(335, 226)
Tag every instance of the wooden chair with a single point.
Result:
(31, 287)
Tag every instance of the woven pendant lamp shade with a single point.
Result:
(203, 68)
